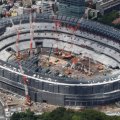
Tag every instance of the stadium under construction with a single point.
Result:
(60, 60)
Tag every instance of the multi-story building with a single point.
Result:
(106, 6)
(71, 7)
(27, 2)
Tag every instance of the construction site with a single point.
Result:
(47, 61)
(56, 60)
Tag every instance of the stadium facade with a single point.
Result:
(55, 90)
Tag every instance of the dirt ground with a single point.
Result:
(14, 100)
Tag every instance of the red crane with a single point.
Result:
(57, 25)
(18, 54)
(72, 30)
(26, 82)
(17, 29)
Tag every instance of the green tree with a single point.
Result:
(28, 115)
(63, 114)
(108, 18)
(76, 117)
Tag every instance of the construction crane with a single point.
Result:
(58, 52)
(57, 25)
(31, 34)
(26, 82)
(74, 62)
(72, 30)
(50, 53)
(17, 45)
(89, 63)
(18, 54)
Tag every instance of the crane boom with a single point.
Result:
(17, 40)
(50, 52)
(25, 80)
(57, 25)
(31, 35)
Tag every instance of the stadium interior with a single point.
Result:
(64, 50)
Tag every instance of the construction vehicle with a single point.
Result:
(100, 67)
(67, 71)
(74, 62)
(59, 52)
(56, 52)
(67, 55)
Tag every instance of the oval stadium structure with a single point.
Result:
(98, 42)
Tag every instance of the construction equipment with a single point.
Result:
(25, 80)
(31, 34)
(57, 25)
(59, 52)
(73, 30)
(67, 55)
(50, 53)
(74, 62)
(19, 57)
(18, 54)
(68, 71)
(100, 67)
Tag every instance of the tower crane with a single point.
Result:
(72, 30)
(18, 54)
(31, 34)
(26, 82)
(57, 25)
